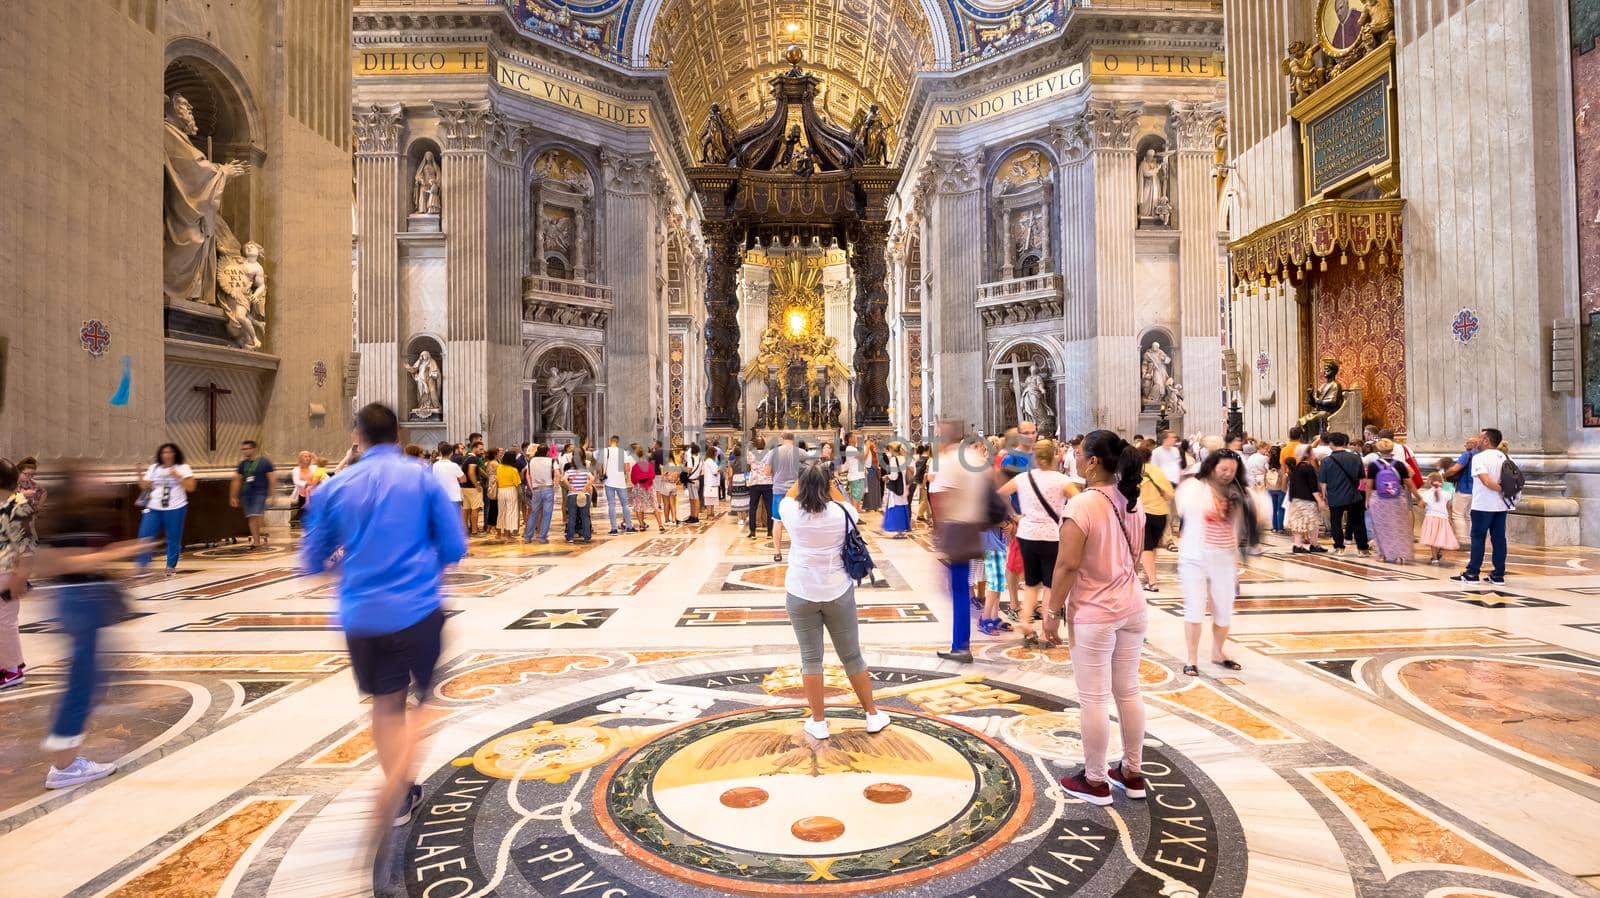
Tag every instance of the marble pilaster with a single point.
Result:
(1194, 125)
(1074, 146)
(632, 184)
(955, 338)
(1111, 125)
(465, 129)
(378, 216)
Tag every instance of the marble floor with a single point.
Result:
(621, 719)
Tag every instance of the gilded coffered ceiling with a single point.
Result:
(724, 51)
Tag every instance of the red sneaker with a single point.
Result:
(1078, 785)
(9, 678)
(1131, 783)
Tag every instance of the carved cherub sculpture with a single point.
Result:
(1377, 20)
(1305, 75)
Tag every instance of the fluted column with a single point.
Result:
(1111, 126)
(1080, 381)
(378, 215)
(724, 247)
(955, 258)
(464, 130)
(507, 263)
(632, 183)
(1195, 126)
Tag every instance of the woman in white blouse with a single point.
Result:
(1042, 493)
(167, 485)
(821, 594)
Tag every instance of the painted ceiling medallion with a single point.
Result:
(1466, 325)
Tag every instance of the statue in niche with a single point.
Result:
(1152, 183)
(425, 187)
(1035, 398)
(426, 375)
(242, 296)
(716, 138)
(556, 406)
(1154, 374)
(195, 230)
(1324, 400)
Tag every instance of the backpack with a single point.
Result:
(1511, 482)
(1387, 482)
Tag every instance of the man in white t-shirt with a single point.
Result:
(449, 475)
(855, 474)
(614, 463)
(1168, 458)
(1489, 509)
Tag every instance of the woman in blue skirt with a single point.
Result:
(896, 507)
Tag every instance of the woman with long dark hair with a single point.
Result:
(167, 484)
(821, 594)
(1215, 508)
(1095, 586)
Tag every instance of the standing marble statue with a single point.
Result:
(1154, 374)
(425, 187)
(425, 372)
(1035, 402)
(1152, 183)
(556, 406)
(195, 231)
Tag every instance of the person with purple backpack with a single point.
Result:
(1390, 504)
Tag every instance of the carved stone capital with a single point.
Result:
(632, 172)
(955, 172)
(508, 140)
(466, 125)
(1071, 139)
(1195, 124)
(1111, 123)
(378, 130)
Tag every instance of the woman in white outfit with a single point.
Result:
(821, 594)
(1214, 507)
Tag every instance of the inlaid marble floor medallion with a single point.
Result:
(707, 785)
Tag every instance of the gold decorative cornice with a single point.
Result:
(1289, 249)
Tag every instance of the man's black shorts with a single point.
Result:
(393, 662)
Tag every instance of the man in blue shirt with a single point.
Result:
(1460, 474)
(399, 532)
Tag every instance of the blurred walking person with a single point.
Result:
(398, 532)
(76, 543)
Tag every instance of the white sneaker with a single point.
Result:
(877, 723)
(80, 771)
(816, 729)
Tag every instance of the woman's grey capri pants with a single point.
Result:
(839, 617)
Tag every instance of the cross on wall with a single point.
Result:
(212, 391)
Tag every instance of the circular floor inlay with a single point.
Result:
(953, 791)
(601, 782)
